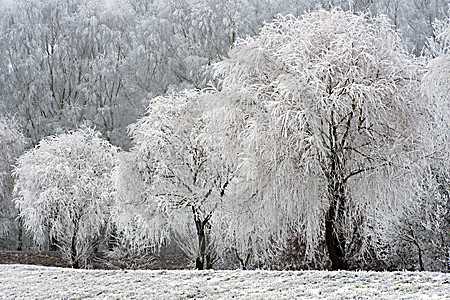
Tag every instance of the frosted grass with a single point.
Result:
(36, 282)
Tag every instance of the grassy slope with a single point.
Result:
(35, 282)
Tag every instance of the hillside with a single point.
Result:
(35, 282)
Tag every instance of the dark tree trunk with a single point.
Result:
(422, 268)
(335, 244)
(73, 253)
(198, 263)
(201, 256)
(244, 262)
(73, 247)
(334, 238)
(203, 259)
(20, 235)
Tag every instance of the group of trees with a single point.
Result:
(320, 141)
(68, 63)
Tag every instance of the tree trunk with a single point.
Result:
(334, 238)
(335, 245)
(73, 253)
(73, 247)
(201, 256)
(244, 263)
(203, 259)
(20, 235)
(419, 250)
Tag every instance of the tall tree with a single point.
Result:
(188, 178)
(321, 112)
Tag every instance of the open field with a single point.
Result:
(37, 282)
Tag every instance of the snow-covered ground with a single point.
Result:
(35, 282)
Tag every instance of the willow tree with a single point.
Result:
(64, 192)
(320, 113)
(178, 176)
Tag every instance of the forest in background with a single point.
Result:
(251, 134)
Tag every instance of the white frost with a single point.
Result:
(35, 282)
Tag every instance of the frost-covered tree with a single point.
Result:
(68, 63)
(140, 226)
(320, 114)
(413, 18)
(62, 66)
(419, 19)
(12, 144)
(439, 45)
(176, 42)
(179, 172)
(424, 229)
(100, 35)
(64, 192)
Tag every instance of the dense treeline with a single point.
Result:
(312, 140)
(77, 62)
